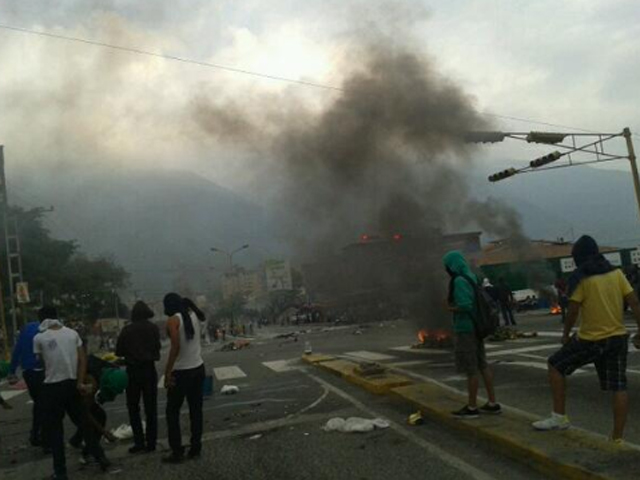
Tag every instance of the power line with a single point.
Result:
(248, 72)
(170, 57)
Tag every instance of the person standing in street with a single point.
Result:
(184, 374)
(505, 300)
(597, 292)
(64, 360)
(139, 345)
(33, 374)
(469, 348)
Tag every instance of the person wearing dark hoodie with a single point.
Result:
(597, 292)
(469, 349)
(184, 374)
(139, 345)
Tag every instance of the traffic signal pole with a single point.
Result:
(634, 164)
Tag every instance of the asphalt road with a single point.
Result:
(272, 428)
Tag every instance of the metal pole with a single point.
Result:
(5, 335)
(4, 210)
(634, 165)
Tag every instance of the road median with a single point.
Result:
(573, 454)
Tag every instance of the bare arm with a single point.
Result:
(173, 330)
(572, 317)
(82, 366)
(634, 304)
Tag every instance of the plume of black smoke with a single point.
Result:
(386, 156)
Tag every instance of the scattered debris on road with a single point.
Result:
(235, 345)
(355, 425)
(257, 436)
(434, 339)
(229, 390)
(367, 369)
(507, 333)
(416, 418)
(123, 432)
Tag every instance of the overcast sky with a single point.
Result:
(571, 63)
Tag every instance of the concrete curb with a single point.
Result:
(573, 454)
(377, 384)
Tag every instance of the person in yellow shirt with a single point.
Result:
(597, 292)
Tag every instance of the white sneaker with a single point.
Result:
(554, 422)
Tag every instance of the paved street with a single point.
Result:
(272, 427)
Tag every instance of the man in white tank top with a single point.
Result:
(184, 374)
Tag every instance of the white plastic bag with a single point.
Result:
(229, 390)
(355, 425)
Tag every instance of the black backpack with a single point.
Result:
(487, 318)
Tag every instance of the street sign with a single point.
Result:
(568, 265)
(278, 274)
(22, 292)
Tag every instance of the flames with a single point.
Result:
(434, 339)
(555, 309)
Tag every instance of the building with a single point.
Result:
(241, 282)
(539, 262)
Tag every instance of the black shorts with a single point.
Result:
(608, 355)
(470, 354)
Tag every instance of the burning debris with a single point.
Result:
(434, 339)
(556, 309)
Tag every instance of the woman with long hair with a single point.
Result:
(184, 374)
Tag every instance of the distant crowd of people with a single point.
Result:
(596, 292)
(62, 380)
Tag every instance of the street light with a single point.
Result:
(230, 254)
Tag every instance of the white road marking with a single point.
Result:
(431, 448)
(371, 356)
(279, 366)
(491, 345)
(412, 363)
(8, 395)
(516, 351)
(537, 365)
(228, 373)
(423, 351)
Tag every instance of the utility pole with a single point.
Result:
(634, 164)
(12, 245)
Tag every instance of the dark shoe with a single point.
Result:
(150, 448)
(466, 412)
(137, 449)
(104, 463)
(76, 442)
(173, 458)
(193, 454)
(494, 409)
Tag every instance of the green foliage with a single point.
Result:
(83, 288)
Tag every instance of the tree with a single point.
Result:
(57, 272)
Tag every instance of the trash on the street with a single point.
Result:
(229, 390)
(355, 425)
(506, 333)
(366, 369)
(416, 418)
(123, 432)
(257, 436)
(307, 348)
(236, 345)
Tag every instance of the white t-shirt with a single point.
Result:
(190, 351)
(59, 351)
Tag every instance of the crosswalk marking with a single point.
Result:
(516, 351)
(8, 395)
(228, 373)
(423, 351)
(279, 366)
(371, 356)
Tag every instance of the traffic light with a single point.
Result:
(509, 172)
(545, 137)
(484, 137)
(538, 162)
